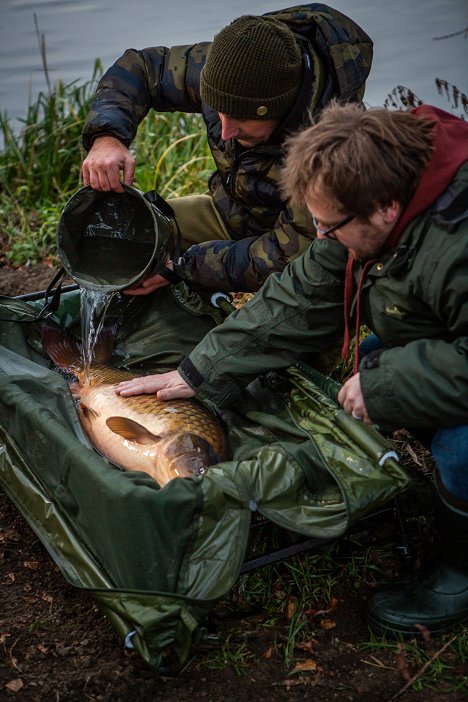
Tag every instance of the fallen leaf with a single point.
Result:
(303, 666)
(402, 662)
(327, 624)
(32, 565)
(268, 653)
(11, 576)
(300, 680)
(318, 612)
(306, 646)
(413, 455)
(14, 685)
(3, 638)
(10, 535)
(291, 607)
(42, 648)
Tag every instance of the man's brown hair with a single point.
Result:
(358, 159)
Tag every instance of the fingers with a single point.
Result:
(148, 286)
(175, 393)
(351, 398)
(105, 162)
(138, 386)
(166, 386)
(128, 168)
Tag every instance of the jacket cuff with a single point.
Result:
(377, 387)
(190, 373)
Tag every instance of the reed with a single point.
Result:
(40, 165)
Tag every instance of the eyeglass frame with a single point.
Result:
(328, 232)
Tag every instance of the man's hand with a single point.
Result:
(166, 386)
(350, 396)
(152, 283)
(104, 162)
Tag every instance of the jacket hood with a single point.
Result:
(341, 45)
(450, 153)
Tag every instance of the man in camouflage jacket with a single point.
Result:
(261, 78)
(390, 188)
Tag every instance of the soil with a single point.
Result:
(56, 646)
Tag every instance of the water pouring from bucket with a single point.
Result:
(109, 242)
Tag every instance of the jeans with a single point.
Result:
(450, 450)
(449, 446)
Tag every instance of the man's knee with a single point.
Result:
(198, 219)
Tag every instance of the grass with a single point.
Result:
(40, 166)
(437, 665)
(234, 655)
(303, 598)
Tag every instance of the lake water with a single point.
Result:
(77, 32)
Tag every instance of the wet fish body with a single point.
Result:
(165, 439)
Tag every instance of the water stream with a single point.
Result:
(94, 305)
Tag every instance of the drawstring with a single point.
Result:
(348, 298)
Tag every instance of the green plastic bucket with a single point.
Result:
(109, 241)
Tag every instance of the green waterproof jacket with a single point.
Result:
(414, 297)
(265, 232)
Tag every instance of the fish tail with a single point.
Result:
(60, 346)
(104, 345)
(66, 352)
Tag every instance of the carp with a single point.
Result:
(165, 439)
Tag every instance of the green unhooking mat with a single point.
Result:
(157, 560)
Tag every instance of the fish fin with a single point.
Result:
(60, 346)
(131, 430)
(65, 351)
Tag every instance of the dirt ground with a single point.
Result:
(56, 646)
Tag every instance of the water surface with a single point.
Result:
(77, 32)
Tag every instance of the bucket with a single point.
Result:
(110, 241)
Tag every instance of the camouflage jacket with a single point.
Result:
(266, 233)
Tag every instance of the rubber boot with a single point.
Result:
(435, 598)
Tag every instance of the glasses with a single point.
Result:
(329, 231)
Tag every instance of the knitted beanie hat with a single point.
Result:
(253, 69)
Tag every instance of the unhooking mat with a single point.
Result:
(157, 560)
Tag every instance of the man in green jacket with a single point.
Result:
(261, 78)
(390, 191)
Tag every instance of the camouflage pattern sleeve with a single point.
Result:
(158, 78)
(245, 264)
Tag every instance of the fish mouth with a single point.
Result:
(190, 454)
(188, 464)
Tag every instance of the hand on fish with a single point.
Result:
(166, 386)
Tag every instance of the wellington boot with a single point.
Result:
(435, 598)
